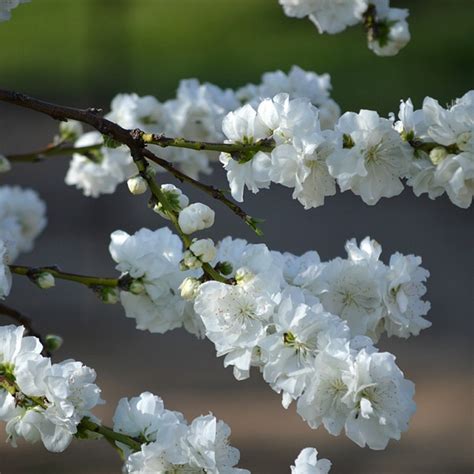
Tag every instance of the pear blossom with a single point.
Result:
(132, 111)
(235, 317)
(102, 169)
(22, 219)
(153, 258)
(307, 462)
(403, 296)
(197, 113)
(298, 83)
(300, 332)
(374, 158)
(382, 398)
(245, 126)
(328, 16)
(393, 32)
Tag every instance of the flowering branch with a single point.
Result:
(51, 150)
(160, 197)
(90, 281)
(131, 138)
(109, 434)
(232, 148)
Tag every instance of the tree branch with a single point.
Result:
(89, 281)
(131, 138)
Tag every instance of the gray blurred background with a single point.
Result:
(82, 52)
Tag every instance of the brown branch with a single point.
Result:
(26, 322)
(131, 138)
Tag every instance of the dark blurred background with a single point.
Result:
(82, 52)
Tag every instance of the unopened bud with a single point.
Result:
(438, 154)
(190, 261)
(204, 249)
(225, 268)
(108, 295)
(44, 280)
(189, 288)
(53, 342)
(137, 185)
(136, 287)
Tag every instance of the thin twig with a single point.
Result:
(131, 138)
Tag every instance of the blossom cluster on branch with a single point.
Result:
(308, 326)
(289, 131)
(52, 403)
(386, 27)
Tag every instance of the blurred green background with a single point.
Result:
(83, 52)
(90, 49)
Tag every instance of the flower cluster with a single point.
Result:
(387, 28)
(431, 148)
(40, 400)
(297, 83)
(196, 113)
(22, 219)
(6, 6)
(443, 148)
(308, 326)
(169, 443)
(43, 401)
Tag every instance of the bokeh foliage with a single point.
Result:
(88, 50)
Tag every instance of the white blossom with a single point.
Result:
(405, 287)
(100, 170)
(298, 83)
(373, 159)
(307, 462)
(245, 126)
(22, 219)
(382, 399)
(153, 258)
(393, 32)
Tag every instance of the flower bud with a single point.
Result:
(225, 268)
(136, 287)
(196, 217)
(108, 295)
(44, 280)
(438, 154)
(204, 249)
(5, 165)
(53, 342)
(189, 288)
(190, 261)
(137, 185)
(175, 197)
